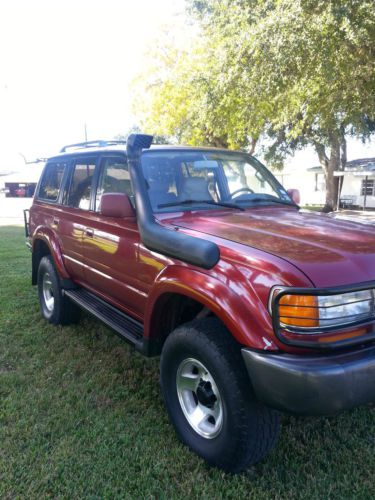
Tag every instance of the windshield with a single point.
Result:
(208, 180)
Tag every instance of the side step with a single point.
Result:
(125, 326)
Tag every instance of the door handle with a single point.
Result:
(55, 221)
(89, 232)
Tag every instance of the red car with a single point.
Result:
(202, 257)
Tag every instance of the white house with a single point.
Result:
(357, 183)
(309, 181)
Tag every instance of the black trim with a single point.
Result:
(313, 385)
(306, 332)
(95, 183)
(26, 219)
(122, 324)
(126, 327)
(64, 182)
(154, 236)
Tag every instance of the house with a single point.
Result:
(357, 183)
(309, 181)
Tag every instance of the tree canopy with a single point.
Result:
(296, 71)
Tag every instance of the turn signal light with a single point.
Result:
(299, 310)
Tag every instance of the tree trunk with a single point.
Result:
(252, 145)
(344, 156)
(332, 186)
(330, 165)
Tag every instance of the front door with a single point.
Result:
(111, 244)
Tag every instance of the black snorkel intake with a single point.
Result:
(154, 236)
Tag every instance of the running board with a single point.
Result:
(125, 326)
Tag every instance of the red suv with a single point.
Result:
(202, 257)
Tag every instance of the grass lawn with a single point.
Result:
(81, 416)
(313, 208)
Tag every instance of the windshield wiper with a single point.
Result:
(208, 202)
(273, 199)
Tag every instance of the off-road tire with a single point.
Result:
(249, 429)
(63, 311)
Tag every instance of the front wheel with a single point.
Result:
(209, 398)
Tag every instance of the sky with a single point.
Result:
(67, 63)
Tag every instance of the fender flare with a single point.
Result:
(221, 300)
(48, 237)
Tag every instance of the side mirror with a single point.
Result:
(116, 205)
(295, 195)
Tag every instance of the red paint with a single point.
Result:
(328, 251)
(259, 248)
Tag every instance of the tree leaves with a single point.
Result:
(299, 71)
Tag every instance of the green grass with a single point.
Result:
(313, 208)
(81, 416)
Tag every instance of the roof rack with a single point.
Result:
(91, 144)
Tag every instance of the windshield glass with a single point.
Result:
(208, 180)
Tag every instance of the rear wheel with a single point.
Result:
(56, 308)
(209, 397)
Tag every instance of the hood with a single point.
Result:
(330, 252)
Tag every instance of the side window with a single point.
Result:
(51, 181)
(114, 178)
(81, 184)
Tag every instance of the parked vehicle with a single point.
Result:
(201, 256)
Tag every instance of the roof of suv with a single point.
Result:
(110, 148)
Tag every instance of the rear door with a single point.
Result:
(111, 245)
(48, 195)
(72, 220)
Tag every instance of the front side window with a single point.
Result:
(114, 178)
(192, 180)
(243, 178)
(81, 184)
(51, 181)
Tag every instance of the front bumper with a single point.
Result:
(313, 385)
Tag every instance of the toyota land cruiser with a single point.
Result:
(201, 256)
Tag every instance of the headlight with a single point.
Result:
(325, 311)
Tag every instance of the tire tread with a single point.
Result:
(257, 425)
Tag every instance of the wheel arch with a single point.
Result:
(45, 243)
(181, 294)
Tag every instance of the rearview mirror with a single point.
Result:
(116, 205)
(295, 195)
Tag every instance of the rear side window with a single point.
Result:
(115, 178)
(81, 185)
(51, 181)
